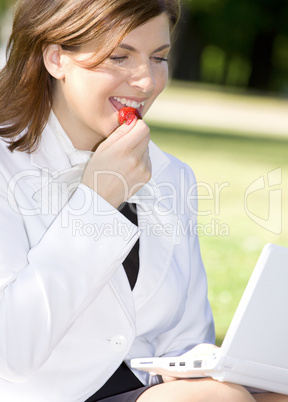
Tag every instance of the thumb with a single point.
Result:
(121, 131)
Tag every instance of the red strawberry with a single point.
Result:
(127, 112)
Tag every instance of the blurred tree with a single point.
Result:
(271, 25)
(232, 42)
(4, 4)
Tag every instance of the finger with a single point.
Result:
(140, 134)
(140, 150)
(121, 131)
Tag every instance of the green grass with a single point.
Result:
(231, 241)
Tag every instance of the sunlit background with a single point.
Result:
(225, 114)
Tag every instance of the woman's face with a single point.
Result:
(87, 102)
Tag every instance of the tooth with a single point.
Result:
(129, 102)
(134, 104)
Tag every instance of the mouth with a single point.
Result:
(118, 103)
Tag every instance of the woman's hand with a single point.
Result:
(121, 164)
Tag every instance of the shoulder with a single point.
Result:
(48, 155)
(10, 161)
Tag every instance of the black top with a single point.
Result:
(123, 380)
(131, 263)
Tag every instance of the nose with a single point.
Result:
(143, 78)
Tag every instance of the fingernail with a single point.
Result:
(130, 119)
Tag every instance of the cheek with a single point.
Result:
(86, 90)
(161, 79)
(77, 86)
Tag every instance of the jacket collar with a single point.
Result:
(53, 157)
(54, 138)
(64, 154)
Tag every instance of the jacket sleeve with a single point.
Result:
(43, 289)
(196, 324)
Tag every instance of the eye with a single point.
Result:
(118, 59)
(160, 59)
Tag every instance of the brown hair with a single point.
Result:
(25, 84)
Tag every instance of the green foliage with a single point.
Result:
(237, 31)
(4, 4)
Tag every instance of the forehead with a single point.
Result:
(156, 32)
(151, 35)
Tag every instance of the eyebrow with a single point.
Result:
(132, 49)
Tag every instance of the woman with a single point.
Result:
(80, 293)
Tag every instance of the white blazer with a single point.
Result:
(68, 317)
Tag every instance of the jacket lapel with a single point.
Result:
(157, 241)
(157, 221)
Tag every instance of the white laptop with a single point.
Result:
(254, 352)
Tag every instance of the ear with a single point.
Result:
(53, 61)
